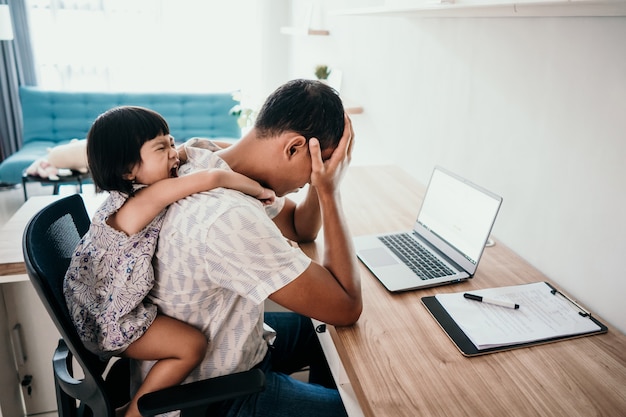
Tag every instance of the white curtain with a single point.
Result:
(16, 69)
(146, 45)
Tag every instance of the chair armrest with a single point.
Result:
(61, 362)
(200, 394)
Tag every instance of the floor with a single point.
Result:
(12, 198)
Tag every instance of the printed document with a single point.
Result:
(542, 315)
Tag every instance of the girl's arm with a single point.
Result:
(140, 209)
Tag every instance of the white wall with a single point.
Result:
(531, 108)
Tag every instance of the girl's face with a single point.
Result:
(159, 160)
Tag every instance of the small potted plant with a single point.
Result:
(322, 72)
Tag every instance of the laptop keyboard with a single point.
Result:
(415, 256)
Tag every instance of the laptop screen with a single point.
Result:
(459, 212)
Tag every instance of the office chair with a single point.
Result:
(48, 243)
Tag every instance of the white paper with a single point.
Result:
(542, 315)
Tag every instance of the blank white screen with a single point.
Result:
(458, 213)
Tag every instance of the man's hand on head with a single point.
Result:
(326, 175)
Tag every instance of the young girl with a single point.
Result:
(132, 156)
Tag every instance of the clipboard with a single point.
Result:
(467, 347)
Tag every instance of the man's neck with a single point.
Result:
(245, 157)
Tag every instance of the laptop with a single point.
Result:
(447, 240)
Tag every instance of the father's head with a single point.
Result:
(307, 107)
(277, 152)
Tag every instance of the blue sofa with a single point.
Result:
(52, 118)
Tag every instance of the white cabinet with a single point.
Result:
(10, 395)
(33, 338)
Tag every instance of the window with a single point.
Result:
(146, 45)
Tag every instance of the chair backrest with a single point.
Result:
(48, 243)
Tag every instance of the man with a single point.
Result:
(221, 254)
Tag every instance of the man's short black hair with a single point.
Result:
(308, 107)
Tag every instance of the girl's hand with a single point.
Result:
(182, 154)
(266, 196)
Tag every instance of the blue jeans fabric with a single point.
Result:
(295, 347)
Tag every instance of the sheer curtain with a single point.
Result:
(146, 45)
(17, 69)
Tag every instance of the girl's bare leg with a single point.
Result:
(176, 346)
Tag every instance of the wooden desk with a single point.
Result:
(401, 363)
(12, 268)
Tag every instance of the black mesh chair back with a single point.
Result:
(49, 241)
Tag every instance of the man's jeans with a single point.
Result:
(296, 346)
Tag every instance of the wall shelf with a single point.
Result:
(304, 31)
(308, 23)
(492, 8)
(354, 109)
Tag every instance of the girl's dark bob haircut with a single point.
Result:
(114, 143)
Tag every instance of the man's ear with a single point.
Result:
(295, 145)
